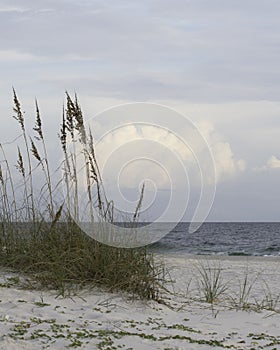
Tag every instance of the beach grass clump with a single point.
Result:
(39, 234)
(243, 298)
(65, 257)
(241, 293)
(271, 300)
(211, 282)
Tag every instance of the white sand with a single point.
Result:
(99, 320)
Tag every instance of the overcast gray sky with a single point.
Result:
(216, 61)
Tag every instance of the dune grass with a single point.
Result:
(249, 291)
(38, 230)
(211, 282)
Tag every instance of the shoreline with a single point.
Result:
(219, 256)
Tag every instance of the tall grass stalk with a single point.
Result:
(14, 203)
(20, 119)
(70, 127)
(40, 137)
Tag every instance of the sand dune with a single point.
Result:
(99, 320)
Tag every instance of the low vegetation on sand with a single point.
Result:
(38, 231)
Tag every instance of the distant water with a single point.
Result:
(212, 238)
(237, 238)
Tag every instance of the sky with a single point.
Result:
(216, 62)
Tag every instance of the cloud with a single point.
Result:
(226, 163)
(15, 9)
(127, 151)
(17, 56)
(134, 153)
(153, 50)
(218, 61)
(272, 163)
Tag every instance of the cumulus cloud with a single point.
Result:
(272, 163)
(134, 153)
(160, 155)
(226, 163)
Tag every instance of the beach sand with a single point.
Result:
(100, 320)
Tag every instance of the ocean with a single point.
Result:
(222, 238)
